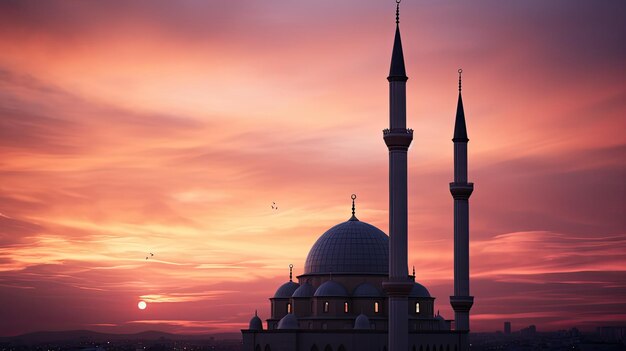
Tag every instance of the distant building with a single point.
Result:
(612, 334)
(530, 331)
(356, 293)
(507, 327)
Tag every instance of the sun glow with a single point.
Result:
(142, 305)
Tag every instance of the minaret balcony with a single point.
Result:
(461, 303)
(461, 191)
(398, 139)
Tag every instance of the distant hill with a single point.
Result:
(88, 335)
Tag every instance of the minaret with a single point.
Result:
(461, 190)
(398, 138)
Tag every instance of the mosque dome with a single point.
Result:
(289, 321)
(419, 290)
(255, 323)
(366, 290)
(331, 289)
(286, 290)
(362, 322)
(349, 247)
(305, 290)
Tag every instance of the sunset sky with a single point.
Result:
(130, 127)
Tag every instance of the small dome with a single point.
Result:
(289, 321)
(362, 322)
(286, 290)
(349, 247)
(255, 323)
(366, 290)
(419, 290)
(331, 288)
(441, 321)
(305, 290)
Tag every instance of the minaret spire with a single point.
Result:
(461, 191)
(460, 131)
(397, 70)
(398, 138)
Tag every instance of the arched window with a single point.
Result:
(421, 347)
(326, 305)
(341, 348)
(268, 348)
(257, 348)
(311, 327)
(328, 348)
(417, 307)
(345, 307)
(448, 347)
(440, 347)
(314, 348)
(324, 326)
(288, 307)
(427, 347)
(376, 307)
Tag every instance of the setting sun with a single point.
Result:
(142, 305)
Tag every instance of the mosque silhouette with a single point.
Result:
(356, 293)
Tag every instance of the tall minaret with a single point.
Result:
(398, 138)
(461, 190)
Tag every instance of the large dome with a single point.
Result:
(350, 247)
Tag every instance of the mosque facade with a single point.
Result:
(356, 293)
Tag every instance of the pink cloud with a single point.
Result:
(171, 129)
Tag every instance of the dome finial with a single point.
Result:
(353, 218)
(290, 272)
(460, 72)
(256, 313)
(413, 271)
(398, 11)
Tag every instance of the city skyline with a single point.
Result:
(172, 130)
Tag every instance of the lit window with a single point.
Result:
(345, 307)
(326, 307)
(376, 309)
(288, 307)
(417, 307)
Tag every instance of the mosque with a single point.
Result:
(356, 293)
